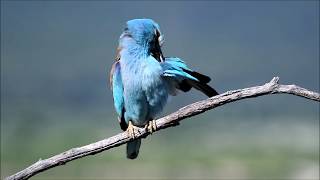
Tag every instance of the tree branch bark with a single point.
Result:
(170, 120)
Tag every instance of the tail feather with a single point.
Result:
(203, 87)
(133, 149)
(202, 78)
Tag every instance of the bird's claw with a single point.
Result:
(132, 130)
(151, 126)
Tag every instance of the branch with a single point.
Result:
(170, 120)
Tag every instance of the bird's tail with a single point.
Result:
(133, 148)
(185, 78)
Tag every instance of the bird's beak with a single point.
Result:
(161, 40)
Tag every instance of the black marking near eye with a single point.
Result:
(157, 33)
(155, 50)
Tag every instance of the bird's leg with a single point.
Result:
(132, 130)
(151, 126)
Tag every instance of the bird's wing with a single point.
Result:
(117, 91)
(184, 78)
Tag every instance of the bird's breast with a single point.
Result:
(144, 85)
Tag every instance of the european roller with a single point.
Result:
(142, 78)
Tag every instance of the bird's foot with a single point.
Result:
(151, 126)
(132, 130)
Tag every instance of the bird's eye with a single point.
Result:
(126, 29)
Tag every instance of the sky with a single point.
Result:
(59, 53)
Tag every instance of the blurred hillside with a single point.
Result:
(55, 61)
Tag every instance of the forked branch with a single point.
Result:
(170, 120)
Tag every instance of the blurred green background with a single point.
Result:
(55, 61)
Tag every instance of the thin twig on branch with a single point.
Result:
(170, 120)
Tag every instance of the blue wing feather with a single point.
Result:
(183, 78)
(175, 67)
(117, 88)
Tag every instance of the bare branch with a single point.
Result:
(170, 120)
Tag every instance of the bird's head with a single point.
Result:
(145, 33)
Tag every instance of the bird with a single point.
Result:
(142, 79)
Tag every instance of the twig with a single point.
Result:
(170, 120)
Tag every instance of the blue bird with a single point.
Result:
(142, 78)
